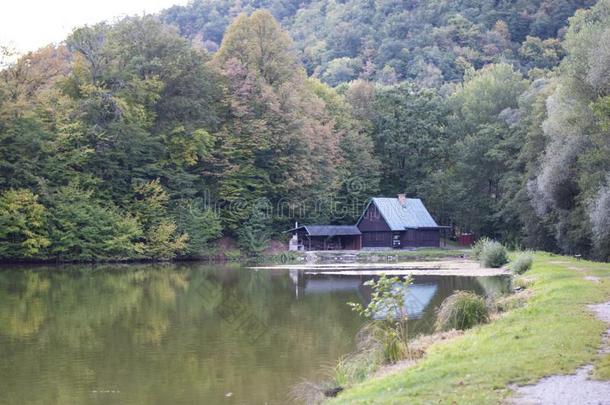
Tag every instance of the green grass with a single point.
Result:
(602, 368)
(553, 333)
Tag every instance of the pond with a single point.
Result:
(183, 333)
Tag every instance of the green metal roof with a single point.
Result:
(413, 214)
(329, 230)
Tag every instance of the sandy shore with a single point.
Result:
(461, 267)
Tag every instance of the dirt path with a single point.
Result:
(575, 388)
(566, 389)
(602, 311)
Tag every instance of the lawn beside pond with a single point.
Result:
(553, 333)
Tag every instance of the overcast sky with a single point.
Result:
(30, 24)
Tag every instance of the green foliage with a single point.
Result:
(202, 225)
(522, 263)
(493, 255)
(289, 143)
(22, 225)
(569, 187)
(259, 42)
(541, 53)
(150, 203)
(478, 246)
(410, 138)
(389, 42)
(253, 236)
(83, 228)
(485, 175)
(430, 99)
(161, 237)
(388, 315)
(461, 310)
(163, 242)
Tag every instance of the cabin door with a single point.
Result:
(396, 244)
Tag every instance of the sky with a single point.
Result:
(27, 25)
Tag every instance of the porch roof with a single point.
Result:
(328, 230)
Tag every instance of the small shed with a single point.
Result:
(328, 237)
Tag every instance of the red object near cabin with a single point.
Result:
(466, 239)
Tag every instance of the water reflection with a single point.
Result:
(179, 333)
(422, 298)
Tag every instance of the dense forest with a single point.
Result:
(154, 136)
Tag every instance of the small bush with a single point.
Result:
(493, 255)
(461, 310)
(388, 315)
(522, 282)
(522, 263)
(477, 248)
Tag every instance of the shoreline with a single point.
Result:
(550, 332)
(460, 267)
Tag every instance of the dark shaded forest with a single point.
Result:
(152, 137)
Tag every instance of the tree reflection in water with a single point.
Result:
(161, 333)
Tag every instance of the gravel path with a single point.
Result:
(575, 388)
(566, 389)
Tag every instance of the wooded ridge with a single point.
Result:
(153, 136)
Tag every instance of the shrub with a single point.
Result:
(388, 315)
(493, 254)
(461, 310)
(477, 248)
(522, 263)
(522, 283)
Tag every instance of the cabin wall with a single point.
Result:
(376, 239)
(352, 242)
(420, 238)
(375, 231)
(372, 221)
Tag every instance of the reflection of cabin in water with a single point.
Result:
(417, 296)
(385, 223)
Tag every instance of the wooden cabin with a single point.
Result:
(398, 222)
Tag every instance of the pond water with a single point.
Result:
(183, 333)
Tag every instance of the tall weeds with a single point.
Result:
(388, 316)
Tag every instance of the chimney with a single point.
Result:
(402, 199)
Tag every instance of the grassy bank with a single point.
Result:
(553, 333)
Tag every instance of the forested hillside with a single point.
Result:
(153, 136)
(431, 42)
